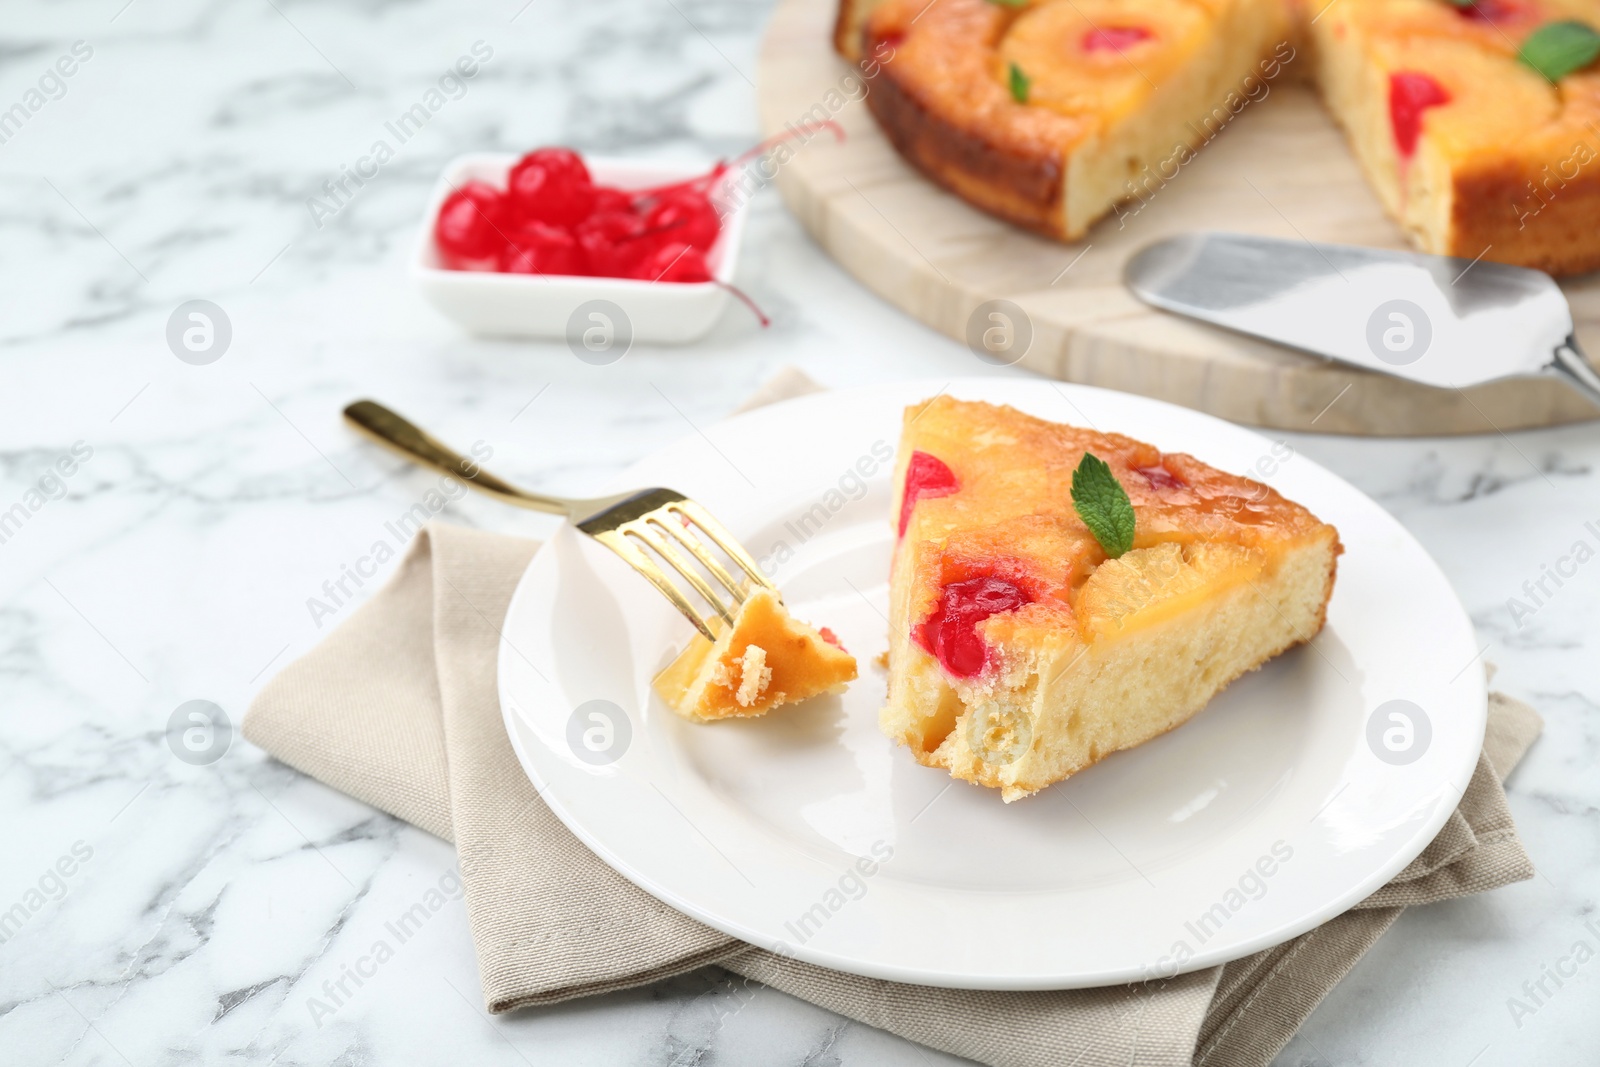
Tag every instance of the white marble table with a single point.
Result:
(206, 504)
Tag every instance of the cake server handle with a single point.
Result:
(1574, 368)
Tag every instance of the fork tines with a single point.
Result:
(676, 530)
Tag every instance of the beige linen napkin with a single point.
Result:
(398, 707)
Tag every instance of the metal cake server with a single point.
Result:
(1431, 319)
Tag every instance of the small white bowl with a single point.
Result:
(492, 304)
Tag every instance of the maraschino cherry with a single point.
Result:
(551, 185)
(607, 199)
(1115, 38)
(469, 229)
(1410, 94)
(926, 475)
(950, 634)
(608, 239)
(675, 261)
(553, 219)
(535, 248)
(688, 215)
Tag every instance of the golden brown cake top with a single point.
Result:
(1082, 63)
(945, 55)
(986, 491)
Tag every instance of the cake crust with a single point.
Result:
(1502, 207)
(1019, 181)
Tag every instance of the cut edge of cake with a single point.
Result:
(1067, 705)
(1535, 203)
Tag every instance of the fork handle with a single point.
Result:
(404, 437)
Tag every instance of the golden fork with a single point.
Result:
(628, 523)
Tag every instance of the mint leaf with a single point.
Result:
(1020, 84)
(1556, 49)
(1103, 505)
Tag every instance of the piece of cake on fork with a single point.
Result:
(766, 658)
(1022, 648)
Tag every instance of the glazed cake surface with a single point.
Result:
(766, 658)
(1473, 153)
(1019, 653)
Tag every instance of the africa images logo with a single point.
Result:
(850, 886)
(1251, 885)
(337, 592)
(341, 189)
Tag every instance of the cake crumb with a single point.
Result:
(754, 674)
(881, 660)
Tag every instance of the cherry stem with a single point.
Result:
(696, 184)
(792, 132)
(749, 303)
(703, 182)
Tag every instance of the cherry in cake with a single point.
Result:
(1021, 649)
(766, 658)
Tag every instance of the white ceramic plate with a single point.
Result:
(1296, 794)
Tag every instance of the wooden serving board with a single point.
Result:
(1280, 168)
